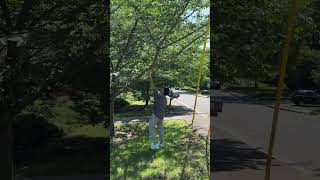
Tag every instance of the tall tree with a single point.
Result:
(148, 34)
(41, 40)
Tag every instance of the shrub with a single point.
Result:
(119, 104)
(31, 129)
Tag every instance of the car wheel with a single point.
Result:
(297, 102)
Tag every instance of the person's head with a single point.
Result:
(165, 91)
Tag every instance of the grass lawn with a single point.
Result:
(136, 107)
(80, 151)
(183, 157)
(135, 110)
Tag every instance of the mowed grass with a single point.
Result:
(72, 122)
(183, 157)
(80, 151)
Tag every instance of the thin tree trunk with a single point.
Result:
(256, 85)
(6, 150)
(170, 104)
(111, 125)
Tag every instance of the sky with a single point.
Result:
(207, 12)
(204, 11)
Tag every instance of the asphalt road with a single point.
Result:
(203, 102)
(297, 141)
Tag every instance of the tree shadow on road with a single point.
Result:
(247, 100)
(174, 110)
(316, 172)
(231, 155)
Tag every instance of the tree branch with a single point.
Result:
(175, 24)
(183, 37)
(45, 14)
(126, 46)
(154, 40)
(115, 9)
(186, 46)
(23, 15)
(6, 12)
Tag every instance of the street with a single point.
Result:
(202, 117)
(296, 143)
(203, 102)
(297, 135)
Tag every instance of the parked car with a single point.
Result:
(215, 84)
(205, 92)
(173, 94)
(301, 97)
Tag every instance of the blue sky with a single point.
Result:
(205, 11)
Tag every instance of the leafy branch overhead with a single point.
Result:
(151, 34)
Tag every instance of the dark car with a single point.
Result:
(301, 97)
(205, 92)
(215, 84)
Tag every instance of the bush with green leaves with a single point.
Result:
(31, 129)
(119, 104)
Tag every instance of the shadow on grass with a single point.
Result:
(135, 110)
(140, 110)
(230, 155)
(178, 110)
(132, 158)
(66, 156)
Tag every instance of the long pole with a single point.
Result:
(285, 52)
(200, 68)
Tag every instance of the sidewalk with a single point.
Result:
(201, 121)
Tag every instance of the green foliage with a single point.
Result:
(31, 129)
(119, 104)
(63, 37)
(304, 74)
(249, 34)
(156, 33)
(315, 76)
(89, 105)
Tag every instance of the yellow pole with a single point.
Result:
(282, 70)
(201, 67)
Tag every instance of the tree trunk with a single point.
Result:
(6, 150)
(256, 85)
(111, 125)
